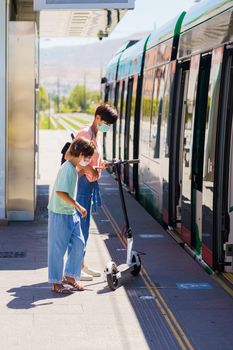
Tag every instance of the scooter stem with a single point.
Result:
(129, 250)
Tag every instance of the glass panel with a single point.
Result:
(115, 125)
(122, 121)
(132, 118)
(146, 112)
(108, 137)
(165, 137)
(155, 130)
(209, 152)
(127, 129)
(187, 147)
(118, 124)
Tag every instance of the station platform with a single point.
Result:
(173, 303)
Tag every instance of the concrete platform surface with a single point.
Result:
(172, 304)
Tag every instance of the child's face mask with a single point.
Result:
(103, 127)
(84, 162)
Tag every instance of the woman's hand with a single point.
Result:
(91, 173)
(105, 164)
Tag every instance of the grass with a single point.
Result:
(75, 126)
(48, 123)
(81, 121)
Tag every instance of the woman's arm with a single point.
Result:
(65, 197)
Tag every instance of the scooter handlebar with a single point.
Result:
(124, 161)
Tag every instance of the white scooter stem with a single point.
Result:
(129, 250)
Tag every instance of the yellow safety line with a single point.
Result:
(223, 284)
(228, 276)
(165, 315)
(162, 305)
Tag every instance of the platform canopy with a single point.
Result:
(82, 4)
(60, 18)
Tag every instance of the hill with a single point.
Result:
(81, 64)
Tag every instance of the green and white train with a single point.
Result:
(174, 94)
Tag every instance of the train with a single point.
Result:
(173, 91)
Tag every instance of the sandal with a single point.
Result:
(77, 286)
(59, 288)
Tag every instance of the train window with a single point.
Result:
(132, 117)
(111, 94)
(114, 127)
(178, 101)
(120, 110)
(201, 113)
(186, 146)
(156, 119)
(122, 121)
(128, 126)
(146, 111)
(215, 215)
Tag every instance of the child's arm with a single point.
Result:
(65, 197)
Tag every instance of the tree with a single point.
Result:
(43, 98)
(77, 99)
(81, 99)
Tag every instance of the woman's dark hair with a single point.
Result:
(107, 113)
(82, 145)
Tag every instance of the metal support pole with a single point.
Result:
(3, 107)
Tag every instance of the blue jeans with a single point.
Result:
(64, 230)
(88, 196)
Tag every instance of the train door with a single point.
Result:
(193, 149)
(114, 128)
(204, 224)
(122, 120)
(186, 150)
(165, 138)
(146, 196)
(175, 166)
(108, 137)
(229, 239)
(127, 128)
(133, 137)
(223, 204)
(105, 95)
(119, 121)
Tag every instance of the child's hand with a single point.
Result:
(82, 211)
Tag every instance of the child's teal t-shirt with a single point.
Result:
(65, 182)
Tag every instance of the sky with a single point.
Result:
(147, 15)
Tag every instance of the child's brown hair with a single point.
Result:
(82, 145)
(107, 113)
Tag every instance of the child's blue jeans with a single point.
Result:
(64, 230)
(88, 196)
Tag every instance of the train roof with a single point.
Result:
(166, 32)
(131, 59)
(126, 45)
(112, 65)
(204, 11)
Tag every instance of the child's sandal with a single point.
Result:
(77, 286)
(59, 288)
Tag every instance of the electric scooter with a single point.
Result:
(113, 272)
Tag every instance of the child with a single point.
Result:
(88, 189)
(64, 223)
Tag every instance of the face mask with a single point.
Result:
(103, 127)
(84, 162)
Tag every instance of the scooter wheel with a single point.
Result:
(137, 268)
(112, 278)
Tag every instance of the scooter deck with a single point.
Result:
(125, 267)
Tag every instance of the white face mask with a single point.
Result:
(84, 162)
